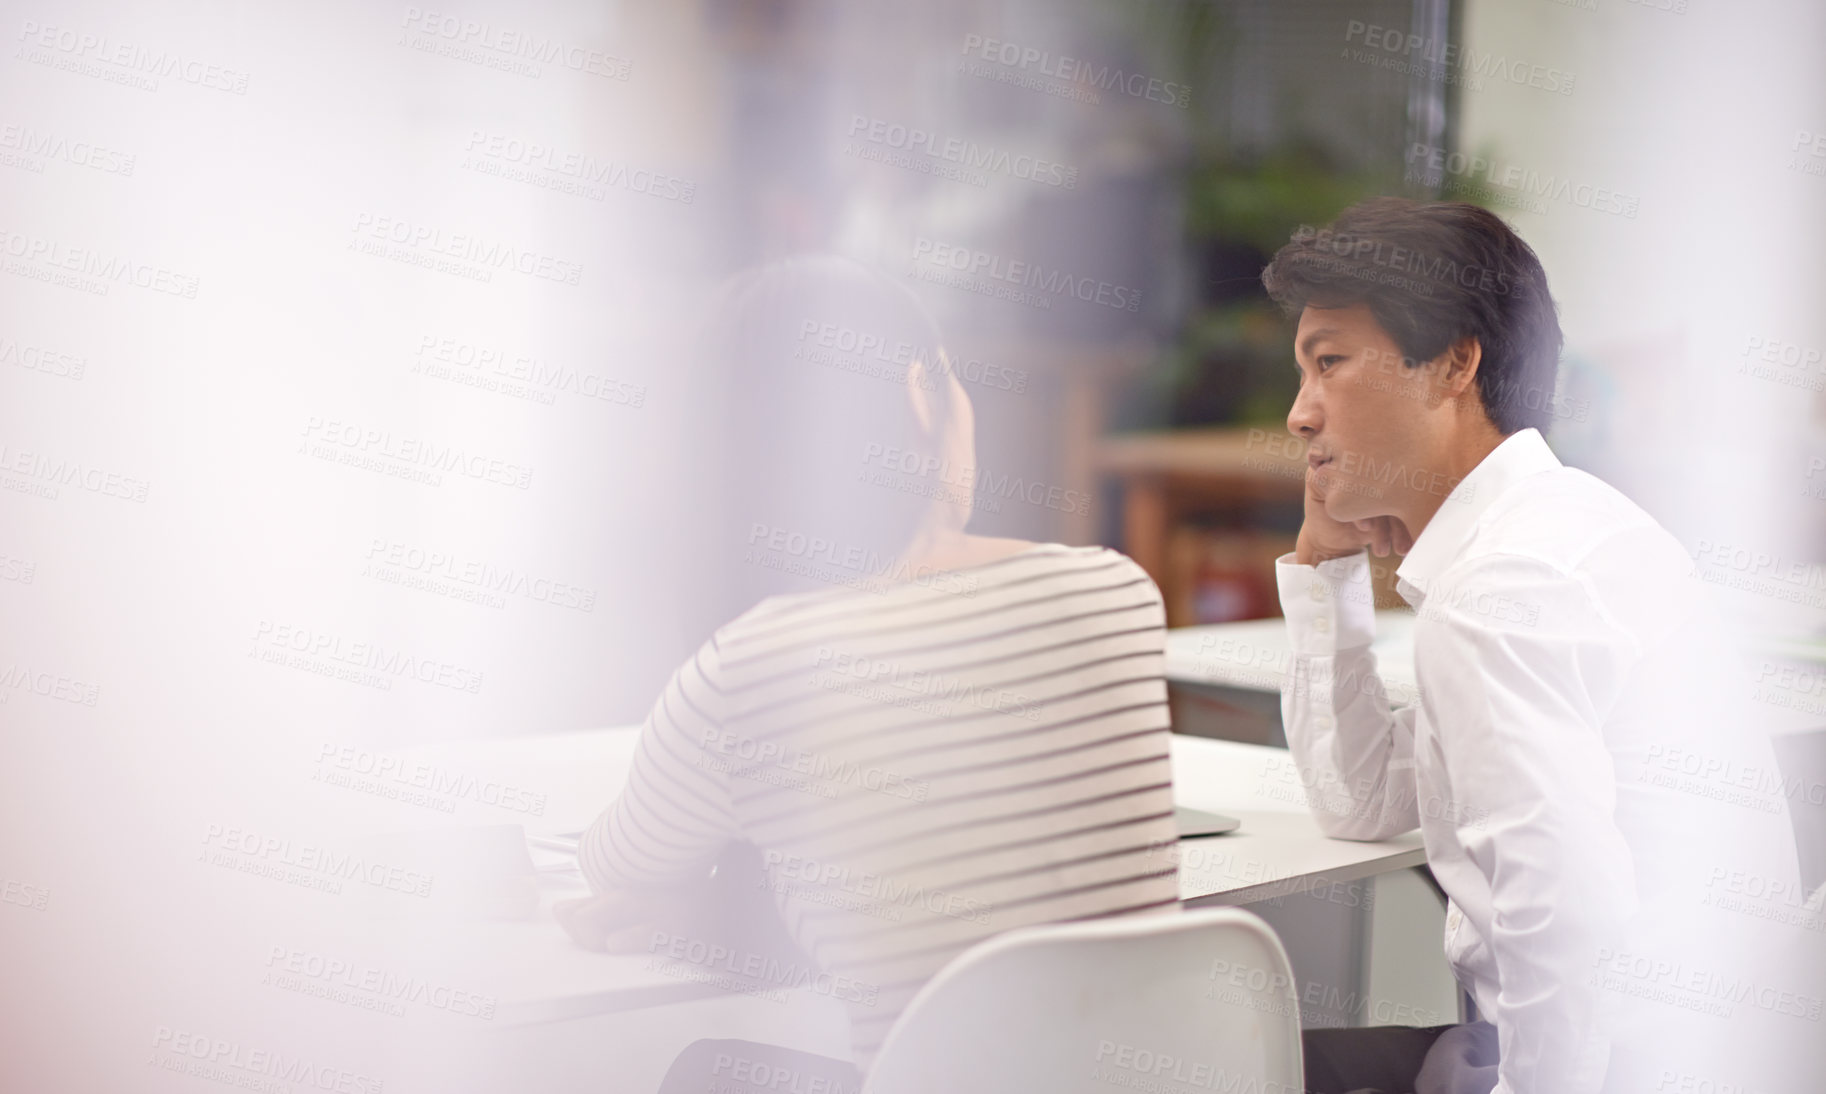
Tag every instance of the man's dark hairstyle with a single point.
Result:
(1432, 273)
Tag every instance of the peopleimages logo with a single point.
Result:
(428, 777)
(737, 970)
(1438, 268)
(1014, 276)
(878, 887)
(17, 678)
(1799, 366)
(24, 146)
(128, 62)
(326, 437)
(980, 481)
(1428, 161)
(236, 1064)
(837, 345)
(1468, 62)
(470, 579)
(1121, 1064)
(42, 475)
(43, 359)
(87, 269)
(935, 685)
(762, 755)
(300, 970)
(1658, 979)
(425, 245)
(1075, 70)
(513, 50)
(856, 567)
(764, 1075)
(327, 654)
(505, 153)
(249, 851)
(1808, 152)
(968, 154)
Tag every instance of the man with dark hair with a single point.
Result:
(1549, 647)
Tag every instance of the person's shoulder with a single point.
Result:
(1107, 567)
(1014, 563)
(1570, 520)
(1059, 568)
(1089, 559)
(779, 610)
(1566, 537)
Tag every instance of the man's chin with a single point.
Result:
(1345, 507)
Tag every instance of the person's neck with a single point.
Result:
(1462, 455)
(934, 547)
(952, 548)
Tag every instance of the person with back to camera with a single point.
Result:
(934, 736)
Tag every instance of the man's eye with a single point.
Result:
(1328, 361)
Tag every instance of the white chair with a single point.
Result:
(1203, 1000)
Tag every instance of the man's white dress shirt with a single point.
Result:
(1555, 677)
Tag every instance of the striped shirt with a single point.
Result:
(921, 767)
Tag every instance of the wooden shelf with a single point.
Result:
(1167, 478)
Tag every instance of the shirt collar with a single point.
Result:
(1521, 454)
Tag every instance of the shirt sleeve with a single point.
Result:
(675, 813)
(1517, 654)
(1355, 754)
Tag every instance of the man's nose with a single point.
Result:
(1304, 419)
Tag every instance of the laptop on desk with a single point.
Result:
(1195, 822)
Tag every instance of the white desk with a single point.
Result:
(1255, 655)
(539, 975)
(1279, 849)
(568, 1020)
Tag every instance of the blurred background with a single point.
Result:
(342, 397)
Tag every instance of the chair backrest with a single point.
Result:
(1802, 758)
(729, 1066)
(1201, 1000)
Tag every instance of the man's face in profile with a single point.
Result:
(1363, 412)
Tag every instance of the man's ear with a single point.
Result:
(1462, 359)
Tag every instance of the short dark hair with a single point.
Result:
(1433, 273)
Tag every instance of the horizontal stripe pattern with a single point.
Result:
(920, 769)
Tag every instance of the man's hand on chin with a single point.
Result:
(1322, 538)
